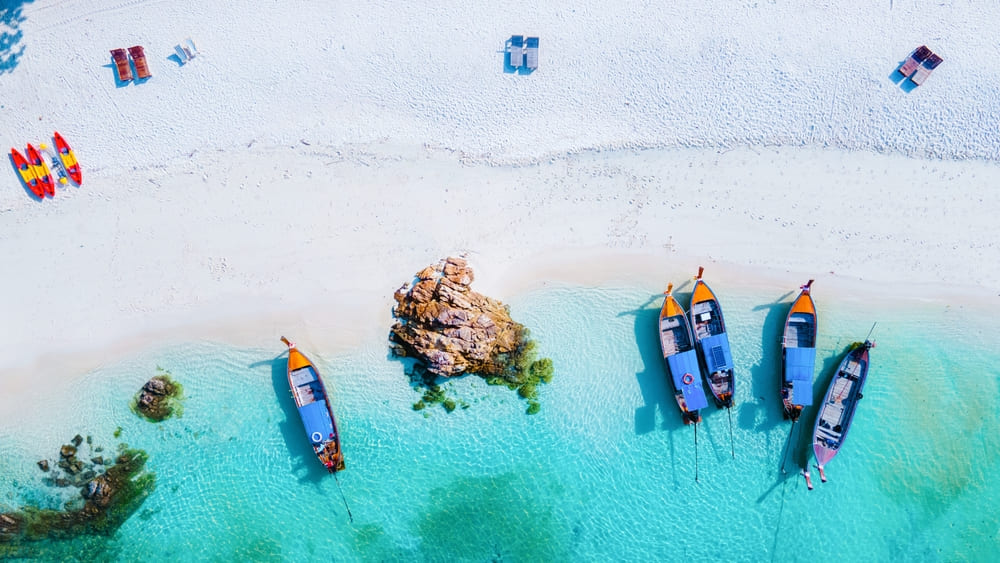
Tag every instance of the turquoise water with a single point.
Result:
(604, 472)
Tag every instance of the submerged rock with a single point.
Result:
(108, 500)
(159, 398)
(451, 328)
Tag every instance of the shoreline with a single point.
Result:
(341, 326)
(278, 231)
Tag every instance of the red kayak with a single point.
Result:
(41, 171)
(68, 159)
(27, 173)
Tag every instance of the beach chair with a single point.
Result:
(139, 58)
(122, 65)
(190, 49)
(531, 50)
(925, 68)
(516, 49)
(186, 50)
(913, 61)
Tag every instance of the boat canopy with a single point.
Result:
(316, 419)
(715, 350)
(799, 367)
(686, 363)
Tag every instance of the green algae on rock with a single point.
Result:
(454, 331)
(109, 498)
(160, 398)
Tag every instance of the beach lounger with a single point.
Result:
(516, 50)
(186, 50)
(122, 65)
(189, 47)
(139, 58)
(925, 68)
(913, 61)
(531, 49)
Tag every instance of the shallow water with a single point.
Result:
(604, 471)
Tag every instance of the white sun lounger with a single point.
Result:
(516, 50)
(186, 50)
(531, 49)
(190, 48)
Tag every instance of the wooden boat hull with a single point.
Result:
(27, 173)
(677, 346)
(798, 354)
(68, 159)
(837, 410)
(313, 404)
(41, 171)
(712, 341)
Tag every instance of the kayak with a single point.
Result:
(27, 173)
(68, 159)
(41, 171)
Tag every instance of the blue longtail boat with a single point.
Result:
(314, 408)
(841, 401)
(681, 358)
(798, 354)
(709, 329)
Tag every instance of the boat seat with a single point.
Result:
(303, 375)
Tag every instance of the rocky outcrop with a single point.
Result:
(157, 400)
(451, 328)
(110, 497)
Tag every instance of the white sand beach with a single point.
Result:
(312, 157)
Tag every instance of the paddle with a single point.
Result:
(349, 516)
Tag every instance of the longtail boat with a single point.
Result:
(710, 336)
(798, 354)
(313, 404)
(681, 359)
(837, 411)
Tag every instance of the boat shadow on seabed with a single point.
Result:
(657, 395)
(801, 441)
(304, 464)
(765, 412)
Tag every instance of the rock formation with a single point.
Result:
(157, 400)
(451, 328)
(109, 497)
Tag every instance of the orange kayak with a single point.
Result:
(41, 171)
(68, 159)
(27, 173)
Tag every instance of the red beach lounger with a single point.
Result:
(925, 69)
(914, 60)
(122, 66)
(139, 58)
